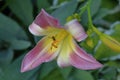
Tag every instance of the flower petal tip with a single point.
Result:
(42, 10)
(76, 29)
(62, 64)
(35, 29)
(45, 20)
(99, 65)
(96, 66)
(84, 61)
(23, 68)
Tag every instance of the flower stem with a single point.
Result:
(96, 31)
(83, 9)
(89, 14)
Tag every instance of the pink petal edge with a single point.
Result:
(83, 64)
(36, 30)
(81, 60)
(76, 29)
(37, 56)
(45, 20)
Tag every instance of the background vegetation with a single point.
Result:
(16, 40)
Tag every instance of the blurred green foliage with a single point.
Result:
(15, 39)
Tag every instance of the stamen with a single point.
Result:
(53, 38)
(54, 43)
(57, 38)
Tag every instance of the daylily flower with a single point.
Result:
(58, 42)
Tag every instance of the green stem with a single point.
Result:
(83, 9)
(96, 31)
(91, 26)
(89, 14)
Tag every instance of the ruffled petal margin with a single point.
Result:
(76, 30)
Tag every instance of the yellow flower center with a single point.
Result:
(55, 37)
(58, 38)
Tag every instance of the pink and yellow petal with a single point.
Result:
(39, 54)
(44, 20)
(76, 30)
(82, 53)
(64, 54)
(72, 54)
(82, 63)
(80, 59)
(36, 29)
(42, 24)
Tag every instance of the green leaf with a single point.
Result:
(115, 29)
(95, 6)
(102, 13)
(53, 75)
(66, 10)
(19, 44)
(12, 72)
(37, 38)
(109, 73)
(109, 4)
(5, 57)
(66, 71)
(81, 75)
(118, 77)
(9, 29)
(114, 63)
(119, 2)
(103, 51)
(22, 9)
(43, 4)
(46, 69)
(12, 33)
